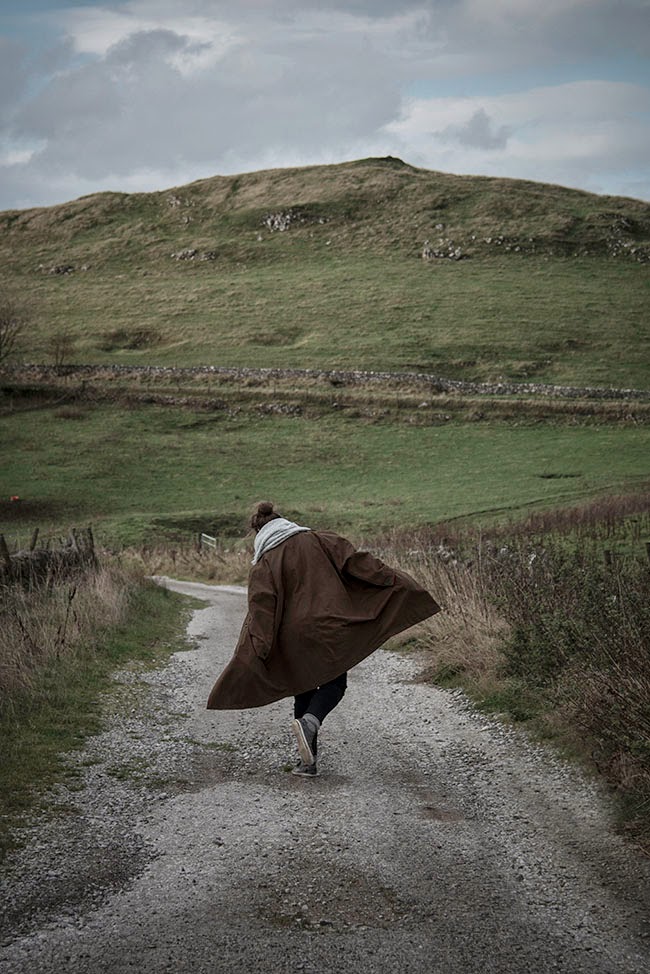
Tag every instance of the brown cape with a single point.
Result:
(316, 607)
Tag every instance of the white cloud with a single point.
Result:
(577, 133)
(15, 157)
(580, 100)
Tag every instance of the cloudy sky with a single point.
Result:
(145, 94)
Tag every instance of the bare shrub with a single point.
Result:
(60, 346)
(14, 318)
(567, 607)
(611, 706)
(579, 642)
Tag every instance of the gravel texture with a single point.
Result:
(434, 840)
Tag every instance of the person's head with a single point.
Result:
(262, 514)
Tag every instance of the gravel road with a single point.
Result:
(433, 841)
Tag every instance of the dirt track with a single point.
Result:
(433, 841)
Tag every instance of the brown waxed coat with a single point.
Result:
(316, 607)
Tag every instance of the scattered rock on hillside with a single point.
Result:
(175, 201)
(58, 269)
(190, 253)
(279, 221)
(621, 242)
(446, 250)
(284, 219)
(279, 409)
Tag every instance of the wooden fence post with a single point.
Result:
(89, 547)
(4, 553)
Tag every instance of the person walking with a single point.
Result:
(316, 608)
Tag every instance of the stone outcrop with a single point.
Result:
(283, 219)
(191, 253)
(445, 249)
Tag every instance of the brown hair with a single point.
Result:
(262, 514)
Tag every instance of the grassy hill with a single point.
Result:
(322, 266)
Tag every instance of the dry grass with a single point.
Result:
(221, 566)
(598, 518)
(60, 646)
(464, 639)
(42, 625)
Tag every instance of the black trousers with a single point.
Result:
(321, 701)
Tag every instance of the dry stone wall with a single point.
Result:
(336, 377)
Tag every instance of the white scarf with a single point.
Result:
(274, 533)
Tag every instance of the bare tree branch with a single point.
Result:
(13, 322)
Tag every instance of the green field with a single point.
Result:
(150, 473)
(573, 322)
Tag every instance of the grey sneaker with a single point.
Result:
(304, 735)
(305, 770)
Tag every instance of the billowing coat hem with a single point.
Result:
(298, 636)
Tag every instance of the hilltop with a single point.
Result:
(384, 201)
(323, 266)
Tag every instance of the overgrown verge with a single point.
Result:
(59, 645)
(552, 629)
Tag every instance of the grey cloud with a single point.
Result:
(604, 27)
(283, 8)
(518, 36)
(471, 43)
(134, 109)
(21, 70)
(146, 47)
(479, 132)
(68, 105)
(13, 75)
